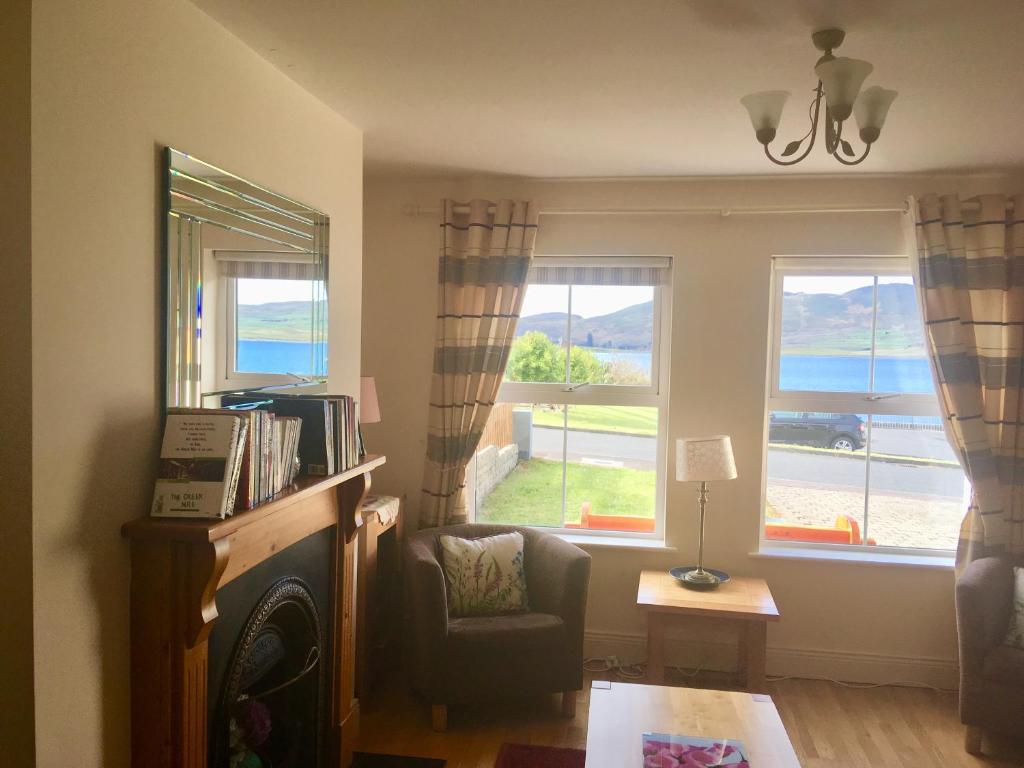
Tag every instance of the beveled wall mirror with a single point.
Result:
(246, 288)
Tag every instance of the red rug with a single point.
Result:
(525, 756)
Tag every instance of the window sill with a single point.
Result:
(819, 554)
(616, 542)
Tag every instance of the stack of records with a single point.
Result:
(330, 428)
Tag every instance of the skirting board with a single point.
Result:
(848, 666)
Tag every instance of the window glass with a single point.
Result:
(612, 334)
(826, 333)
(900, 361)
(582, 466)
(816, 475)
(274, 326)
(516, 475)
(916, 492)
(581, 401)
(611, 456)
(538, 352)
(878, 471)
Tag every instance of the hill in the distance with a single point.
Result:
(812, 323)
(275, 321)
(841, 323)
(628, 328)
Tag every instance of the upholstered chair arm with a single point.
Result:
(557, 580)
(426, 609)
(984, 595)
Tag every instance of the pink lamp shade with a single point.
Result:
(369, 407)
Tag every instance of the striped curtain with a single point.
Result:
(486, 249)
(970, 279)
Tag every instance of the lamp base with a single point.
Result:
(699, 578)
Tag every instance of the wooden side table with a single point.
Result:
(745, 603)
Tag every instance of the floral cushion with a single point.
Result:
(1015, 635)
(484, 576)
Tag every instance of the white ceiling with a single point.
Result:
(596, 88)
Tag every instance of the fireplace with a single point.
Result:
(270, 662)
(249, 619)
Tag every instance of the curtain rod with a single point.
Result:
(415, 209)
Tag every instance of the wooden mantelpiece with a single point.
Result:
(177, 568)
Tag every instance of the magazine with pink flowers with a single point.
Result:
(662, 750)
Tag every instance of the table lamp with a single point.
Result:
(369, 407)
(703, 460)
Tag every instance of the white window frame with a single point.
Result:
(653, 395)
(873, 404)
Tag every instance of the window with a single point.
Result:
(856, 453)
(273, 317)
(577, 439)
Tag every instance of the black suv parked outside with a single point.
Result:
(839, 431)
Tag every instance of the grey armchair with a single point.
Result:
(991, 674)
(477, 659)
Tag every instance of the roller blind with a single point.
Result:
(267, 265)
(600, 270)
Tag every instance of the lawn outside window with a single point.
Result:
(577, 439)
(856, 457)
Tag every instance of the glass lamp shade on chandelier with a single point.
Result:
(839, 83)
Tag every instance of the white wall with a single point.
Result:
(113, 81)
(848, 620)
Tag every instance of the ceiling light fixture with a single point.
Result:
(839, 82)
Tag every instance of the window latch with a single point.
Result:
(873, 398)
(574, 387)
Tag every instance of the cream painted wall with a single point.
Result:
(847, 620)
(16, 711)
(113, 82)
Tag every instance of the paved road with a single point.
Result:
(848, 470)
(832, 469)
(925, 444)
(632, 451)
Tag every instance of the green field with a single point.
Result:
(532, 493)
(622, 419)
(852, 341)
(852, 350)
(276, 321)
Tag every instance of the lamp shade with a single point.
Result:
(765, 110)
(369, 408)
(705, 458)
(871, 109)
(841, 79)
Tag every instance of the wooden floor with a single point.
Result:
(829, 726)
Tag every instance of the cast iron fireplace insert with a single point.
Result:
(270, 662)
